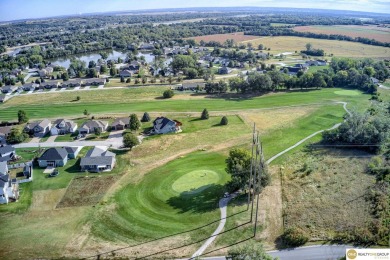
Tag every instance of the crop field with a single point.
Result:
(280, 44)
(221, 38)
(381, 34)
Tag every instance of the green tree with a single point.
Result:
(85, 112)
(130, 140)
(16, 136)
(238, 166)
(22, 117)
(249, 251)
(205, 114)
(309, 46)
(145, 117)
(183, 61)
(97, 131)
(122, 79)
(134, 124)
(168, 93)
(113, 71)
(295, 237)
(78, 98)
(191, 73)
(224, 120)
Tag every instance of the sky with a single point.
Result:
(23, 9)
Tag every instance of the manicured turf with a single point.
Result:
(347, 92)
(195, 181)
(56, 110)
(152, 208)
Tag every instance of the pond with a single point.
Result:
(113, 55)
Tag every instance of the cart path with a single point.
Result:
(224, 201)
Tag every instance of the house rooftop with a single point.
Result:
(6, 149)
(52, 154)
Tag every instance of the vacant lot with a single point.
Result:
(280, 44)
(221, 38)
(324, 192)
(381, 34)
(86, 191)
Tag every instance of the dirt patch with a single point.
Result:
(381, 34)
(86, 191)
(221, 38)
(46, 199)
(280, 118)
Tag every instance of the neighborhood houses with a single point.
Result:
(97, 160)
(38, 128)
(163, 125)
(91, 125)
(9, 188)
(63, 126)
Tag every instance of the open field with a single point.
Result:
(381, 34)
(128, 103)
(330, 183)
(281, 44)
(221, 38)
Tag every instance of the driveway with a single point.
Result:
(51, 138)
(35, 140)
(116, 136)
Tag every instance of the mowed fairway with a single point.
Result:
(337, 48)
(381, 34)
(185, 103)
(162, 204)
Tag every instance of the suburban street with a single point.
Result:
(108, 143)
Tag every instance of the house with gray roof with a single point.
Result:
(71, 83)
(94, 82)
(125, 73)
(4, 132)
(89, 126)
(63, 126)
(53, 157)
(120, 123)
(7, 153)
(38, 128)
(49, 84)
(9, 189)
(163, 125)
(30, 86)
(9, 89)
(98, 160)
(2, 98)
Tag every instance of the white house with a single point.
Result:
(9, 189)
(38, 128)
(163, 125)
(63, 126)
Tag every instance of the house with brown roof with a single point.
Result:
(121, 123)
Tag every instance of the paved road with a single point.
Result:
(223, 202)
(322, 252)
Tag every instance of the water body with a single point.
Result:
(113, 55)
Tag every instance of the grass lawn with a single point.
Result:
(27, 154)
(24, 202)
(313, 69)
(163, 203)
(65, 138)
(93, 137)
(185, 103)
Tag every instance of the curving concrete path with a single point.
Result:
(224, 201)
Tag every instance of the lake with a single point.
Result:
(113, 55)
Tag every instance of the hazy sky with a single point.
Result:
(20, 9)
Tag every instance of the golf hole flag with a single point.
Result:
(367, 254)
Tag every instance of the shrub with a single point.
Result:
(145, 117)
(295, 237)
(168, 93)
(130, 140)
(224, 120)
(205, 114)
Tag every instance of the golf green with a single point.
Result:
(195, 181)
(347, 92)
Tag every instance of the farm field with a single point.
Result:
(221, 38)
(127, 102)
(279, 44)
(381, 34)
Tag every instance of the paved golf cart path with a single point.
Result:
(224, 201)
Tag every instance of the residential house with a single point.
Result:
(2, 98)
(9, 89)
(89, 126)
(71, 83)
(72, 151)
(146, 46)
(9, 189)
(224, 70)
(134, 65)
(38, 128)
(63, 126)
(4, 132)
(49, 84)
(374, 81)
(121, 123)
(53, 157)
(45, 72)
(30, 86)
(163, 125)
(97, 160)
(311, 63)
(7, 153)
(125, 73)
(321, 62)
(94, 82)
